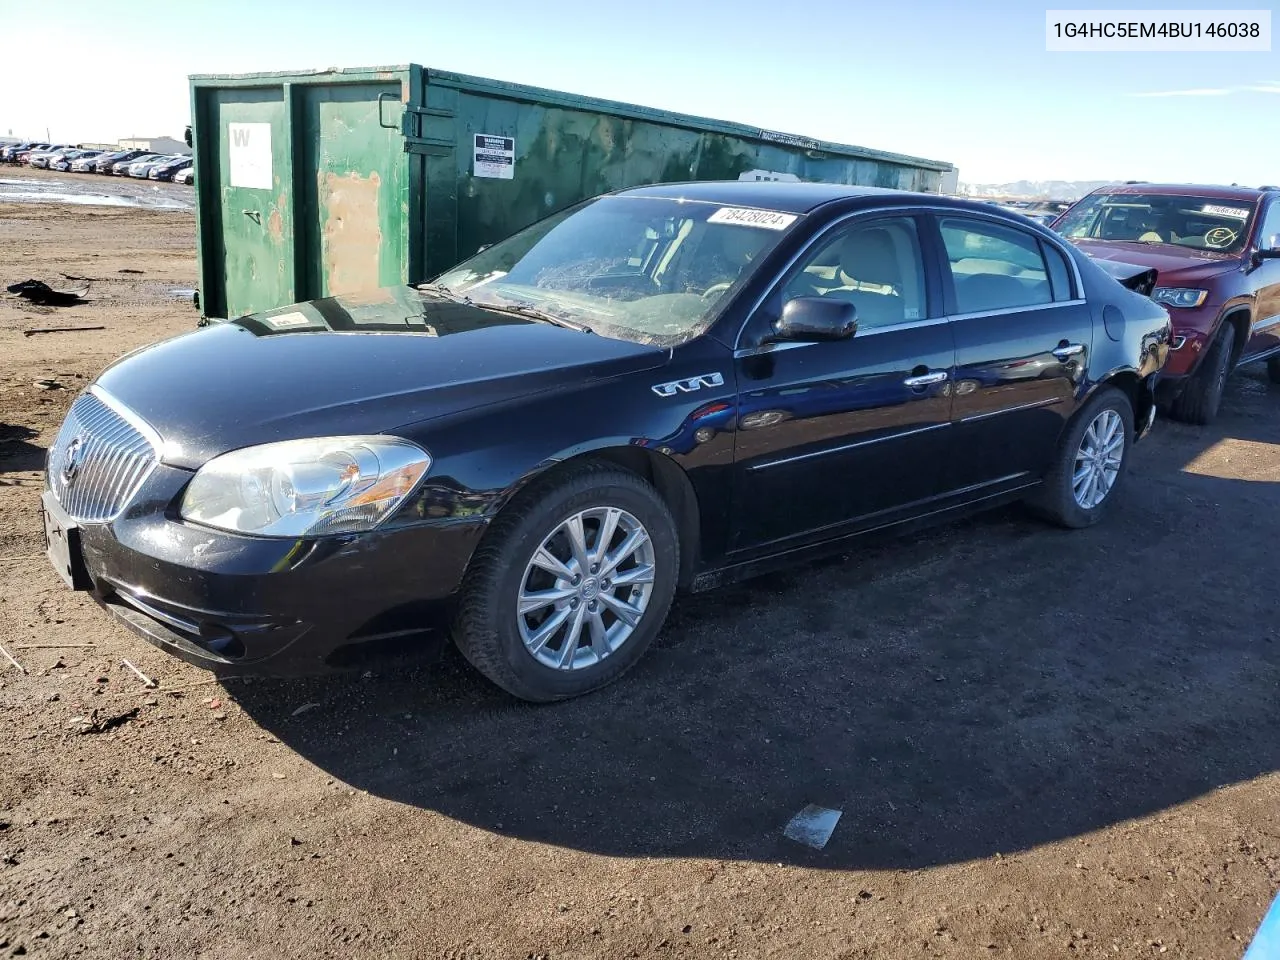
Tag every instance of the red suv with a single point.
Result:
(1214, 251)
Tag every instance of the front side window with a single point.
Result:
(1198, 223)
(876, 266)
(648, 269)
(1269, 235)
(994, 267)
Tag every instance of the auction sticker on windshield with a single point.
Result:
(1240, 213)
(744, 216)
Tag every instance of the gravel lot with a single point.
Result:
(1044, 744)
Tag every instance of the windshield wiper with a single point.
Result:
(440, 290)
(534, 313)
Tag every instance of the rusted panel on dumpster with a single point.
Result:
(352, 238)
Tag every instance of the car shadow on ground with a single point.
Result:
(17, 453)
(979, 688)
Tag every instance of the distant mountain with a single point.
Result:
(1041, 189)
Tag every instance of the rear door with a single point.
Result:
(1023, 335)
(847, 434)
(1265, 338)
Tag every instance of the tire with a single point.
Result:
(1273, 369)
(1200, 398)
(500, 642)
(1056, 499)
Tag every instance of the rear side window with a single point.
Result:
(1059, 272)
(994, 267)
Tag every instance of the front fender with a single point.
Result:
(483, 458)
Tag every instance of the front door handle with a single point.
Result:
(925, 379)
(1065, 351)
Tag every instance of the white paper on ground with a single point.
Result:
(812, 826)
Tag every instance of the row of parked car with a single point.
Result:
(132, 163)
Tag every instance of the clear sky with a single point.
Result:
(969, 83)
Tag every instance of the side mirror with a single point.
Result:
(809, 319)
(1268, 250)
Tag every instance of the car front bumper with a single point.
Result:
(262, 605)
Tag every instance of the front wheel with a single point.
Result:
(1200, 398)
(571, 585)
(1090, 462)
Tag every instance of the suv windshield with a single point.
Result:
(637, 268)
(1200, 223)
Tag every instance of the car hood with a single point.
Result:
(351, 365)
(1173, 265)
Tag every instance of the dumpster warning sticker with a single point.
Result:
(495, 157)
(249, 153)
(769, 219)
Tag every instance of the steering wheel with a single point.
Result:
(1220, 237)
(716, 288)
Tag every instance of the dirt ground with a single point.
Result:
(1044, 744)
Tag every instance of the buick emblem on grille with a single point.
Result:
(71, 460)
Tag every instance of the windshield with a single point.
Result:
(1199, 223)
(637, 268)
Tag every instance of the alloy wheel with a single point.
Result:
(586, 588)
(1098, 459)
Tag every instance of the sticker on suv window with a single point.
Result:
(1239, 213)
(744, 216)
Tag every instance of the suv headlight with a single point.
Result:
(304, 488)
(1179, 296)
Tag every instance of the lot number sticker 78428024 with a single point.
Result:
(746, 217)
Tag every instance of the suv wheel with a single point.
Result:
(571, 585)
(1090, 462)
(1199, 401)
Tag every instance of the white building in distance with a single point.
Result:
(162, 145)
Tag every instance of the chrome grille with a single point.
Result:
(99, 459)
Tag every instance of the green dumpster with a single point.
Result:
(327, 182)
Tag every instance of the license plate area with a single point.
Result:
(62, 545)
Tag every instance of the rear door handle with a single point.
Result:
(936, 376)
(1065, 351)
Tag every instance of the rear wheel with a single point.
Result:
(571, 585)
(1200, 398)
(1090, 463)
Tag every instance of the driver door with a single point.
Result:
(843, 435)
(1265, 335)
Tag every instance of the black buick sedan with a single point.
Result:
(658, 389)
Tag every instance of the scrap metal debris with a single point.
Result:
(41, 294)
(11, 660)
(141, 676)
(94, 724)
(812, 826)
(32, 333)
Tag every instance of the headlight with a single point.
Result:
(305, 487)
(1179, 296)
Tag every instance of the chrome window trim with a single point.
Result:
(1066, 249)
(774, 346)
(847, 446)
(977, 314)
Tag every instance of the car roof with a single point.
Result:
(788, 197)
(1211, 191)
